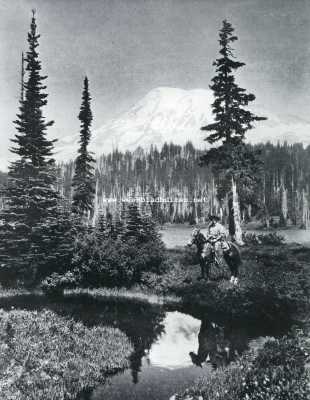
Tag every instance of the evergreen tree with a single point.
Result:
(149, 229)
(134, 223)
(232, 121)
(118, 225)
(84, 180)
(101, 228)
(32, 235)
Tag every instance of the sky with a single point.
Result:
(128, 47)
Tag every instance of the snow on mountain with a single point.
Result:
(163, 115)
(176, 115)
(281, 128)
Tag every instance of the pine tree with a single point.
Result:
(31, 201)
(101, 228)
(134, 223)
(84, 180)
(232, 121)
(149, 229)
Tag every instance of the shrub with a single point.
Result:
(117, 262)
(54, 285)
(44, 356)
(278, 372)
(272, 239)
(222, 384)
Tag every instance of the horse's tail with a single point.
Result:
(236, 251)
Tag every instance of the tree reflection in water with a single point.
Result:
(140, 321)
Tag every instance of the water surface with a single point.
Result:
(179, 235)
(172, 347)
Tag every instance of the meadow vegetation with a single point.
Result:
(44, 356)
(278, 371)
(274, 282)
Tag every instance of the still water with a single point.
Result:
(172, 346)
(179, 235)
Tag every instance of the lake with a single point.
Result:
(172, 346)
(179, 235)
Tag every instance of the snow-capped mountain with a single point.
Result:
(163, 115)
(176, 115)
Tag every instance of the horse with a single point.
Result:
(207, 255)
(199, 240)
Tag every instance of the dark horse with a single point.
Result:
(207, 255)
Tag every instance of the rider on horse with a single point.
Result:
(216, 239)
(213, 246)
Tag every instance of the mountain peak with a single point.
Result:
(168, 114)
(164, 114)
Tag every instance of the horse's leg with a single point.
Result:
(234, 268)
(230, 264)
(202, 267)
(206, 257)
(207, 268)
(236, 272)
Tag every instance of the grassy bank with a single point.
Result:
(137, 294)
(278, 371)
(274, 283)
(44, 356)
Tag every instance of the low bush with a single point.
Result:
(222, 384)
(54, 285)
(272, 238)
(44, 356)
(117, 262)
(277, 372)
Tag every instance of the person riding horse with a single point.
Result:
(216, 239)
(212, 247)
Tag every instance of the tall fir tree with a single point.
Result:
(231, 122)
(31, 201)
(84, 180)
(134, 223)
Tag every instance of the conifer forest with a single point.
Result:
(171, 184)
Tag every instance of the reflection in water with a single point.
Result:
(168, 363)
(163, 368)
(141, 322)
(219, 345)
(181, 334)
(167, 344)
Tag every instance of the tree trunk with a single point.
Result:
(305, 210)
(236, 213)
(96, 206)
